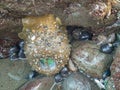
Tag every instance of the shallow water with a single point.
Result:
(13, 74)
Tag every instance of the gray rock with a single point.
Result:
(87, 57)
(78, 81)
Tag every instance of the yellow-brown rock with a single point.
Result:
(46, 44)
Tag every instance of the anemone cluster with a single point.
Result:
(46, 44)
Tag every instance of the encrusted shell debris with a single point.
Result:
(46, 44)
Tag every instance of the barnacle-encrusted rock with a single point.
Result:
(38, 83)
(87, 57)
(46, 44)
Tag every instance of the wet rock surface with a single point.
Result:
(115, 69)
(72, 12)
(101, 16)
(87, 57)
(7, 40)
(46, 44)
(77, 81)
(38, 83)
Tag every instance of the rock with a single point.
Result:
(77, 81)
(38, 83)
(46, 44)
(7, 40)
(87, 57)
(115, 69)
(72, 12)
(10, 24)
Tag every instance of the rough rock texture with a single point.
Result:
(77, 81)
(86, 13)
(46, 44)
(38, 83)
(87, 57)
(115, 69)
(7, 40)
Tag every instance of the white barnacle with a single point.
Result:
(33, 38)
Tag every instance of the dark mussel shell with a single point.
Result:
(106, 48)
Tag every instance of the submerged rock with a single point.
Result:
(77, 81)
(115, 69)
(87, 57)
(46, 44)
(38, 83)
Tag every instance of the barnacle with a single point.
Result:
(46, 44)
